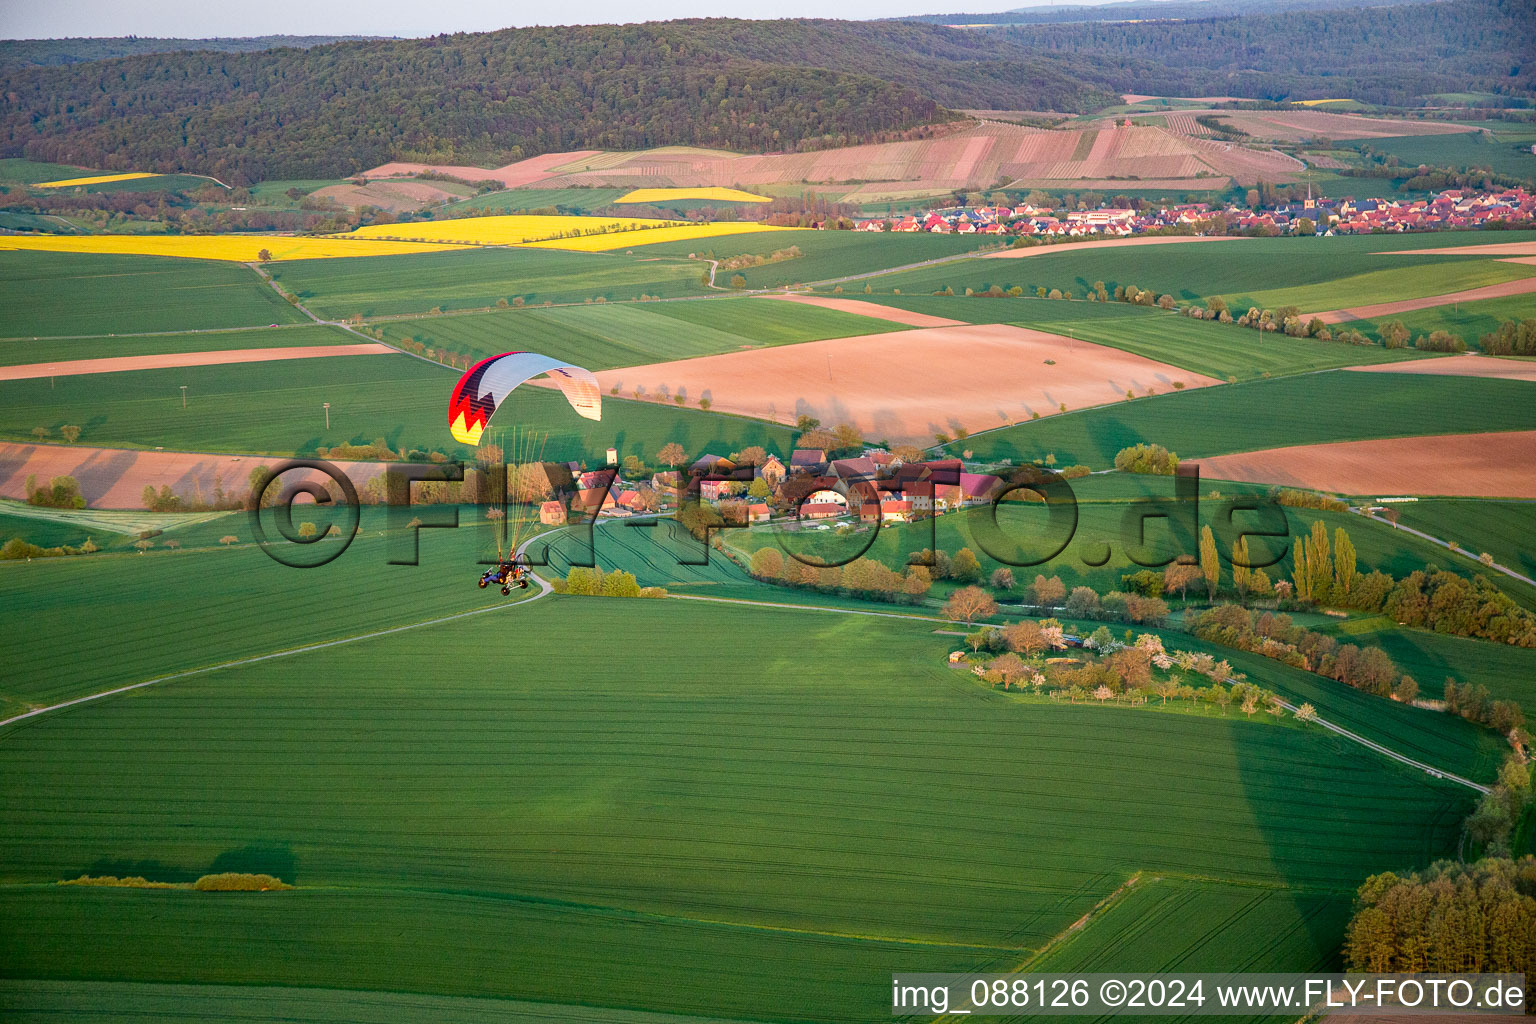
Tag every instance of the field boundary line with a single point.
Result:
(271, 655)
(801, 607)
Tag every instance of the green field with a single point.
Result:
(1391, 285)
(1281, 269)
(477, 278)
(17, 221)
(1309, 409)
(611, 335)
(276, 407)
(1504, 529)
(1216, 350)
(1508, 672)
(1173, 925)
(34, 1002)
(827, 254)
(50, 294)
(518, 200)
(1461, 150)
(28, 172)
(17, 351)
(1471, 320)
(536, 831)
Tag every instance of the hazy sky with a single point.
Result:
(42, 19)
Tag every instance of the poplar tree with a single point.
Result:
(1210, 561)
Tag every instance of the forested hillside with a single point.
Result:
(1391, 55)
(1142, 10)
(330, 110)
(21, 53)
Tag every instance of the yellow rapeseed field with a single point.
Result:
(235, 248)
(662, 195)
(673, 233)
(510, 229)
(94, 179)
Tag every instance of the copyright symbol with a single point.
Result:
(1112, 992)
(281, 512)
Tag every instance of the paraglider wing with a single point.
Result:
(487, 385)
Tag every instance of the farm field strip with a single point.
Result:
(886, 383)
(1518, 286)
(67, 294)
(1313, 273)
(115, 478)
(36, 1001)
(609, 335)
(871, 309)
(276, 410)
(1215, 350)
(1315, 408)
(479, 278)
(513, 175)
(1447, 465)
(1108, 243)
(114, 364)
(1470, 365)
(71, 348)
(95, 179)
(126, 523)
(226, 248)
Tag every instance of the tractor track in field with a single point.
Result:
(544, 590)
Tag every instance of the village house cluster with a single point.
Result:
(876, 485)
(1453, 208)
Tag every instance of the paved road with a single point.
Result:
(1506, 570)
(1388, 752)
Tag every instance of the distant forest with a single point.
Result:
(42, 53)
(331, 109)
(1142, 10)
(1387, 55)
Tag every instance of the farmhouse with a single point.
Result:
(808, 460)
(552, 513)
(821, 510)
(772, 472)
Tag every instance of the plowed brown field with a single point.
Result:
(1444, 465)
(911, 385)
(116, 477)
(872, 309)
(114, 364)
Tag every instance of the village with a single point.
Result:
(1451, 209)
(752, 487)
